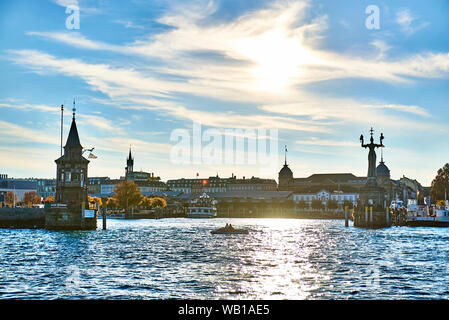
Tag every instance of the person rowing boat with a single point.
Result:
(228, 228)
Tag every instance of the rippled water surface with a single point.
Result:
(179, 258)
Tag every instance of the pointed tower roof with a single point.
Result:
(73, 140)
(129, 157)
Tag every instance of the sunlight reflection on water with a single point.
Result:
(179, 258)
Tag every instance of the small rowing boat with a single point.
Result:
(229, 229)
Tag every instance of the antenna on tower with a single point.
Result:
(381, 154)
(285, 154)
(74, 109)
(62, 121)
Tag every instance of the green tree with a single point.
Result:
(440, 184)
(302, 204)
(127, 190)
(317, 204)
(332, 204)
(348, 203)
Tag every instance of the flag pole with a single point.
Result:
(62, 121)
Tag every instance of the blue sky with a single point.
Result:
(141, 69)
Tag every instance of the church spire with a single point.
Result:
(129, 156)
(130, 161)
(74, 109)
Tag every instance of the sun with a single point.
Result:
(277, 59)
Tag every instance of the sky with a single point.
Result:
(140, 70)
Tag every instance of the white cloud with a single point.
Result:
(30, 107)
(328, 143)
(261, 59)
(10, 132)
(129, 24)
(409, 23)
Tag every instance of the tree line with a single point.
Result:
(124, 191)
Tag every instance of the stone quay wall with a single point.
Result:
(22, 218)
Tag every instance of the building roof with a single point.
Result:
(242, 194)
(330, 177)
(382, 170)
(286, 171)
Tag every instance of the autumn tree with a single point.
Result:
(146, 202)
(440, 185)
(11, 198)
(93, 201)
(127, 190)
(31, 197)
(49, 199)
(111, 203)
(104, 202)
(158, 202)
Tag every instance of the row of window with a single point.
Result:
(320, 197)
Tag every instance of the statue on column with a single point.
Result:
(372, 154)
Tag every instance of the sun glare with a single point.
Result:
(277, 59)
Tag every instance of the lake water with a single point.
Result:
(179, 258)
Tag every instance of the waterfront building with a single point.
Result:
(187, 186)
(252, 184)
(346, 182)
(46, 187)
(71, 184)
(340, 197)
(18, 186)
(217, 184)
(95, 183)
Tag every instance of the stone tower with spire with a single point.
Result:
(71, 171)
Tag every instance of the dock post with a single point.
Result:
(366, 215)
(104, 218)
(346, 216)
(388, 217)
(371, 215)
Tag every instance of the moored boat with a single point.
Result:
(202, 207)
(423, 217)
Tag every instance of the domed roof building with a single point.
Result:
(382, 170)
(383, 177)
(285, 175)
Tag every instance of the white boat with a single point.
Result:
(202, 207)
(425, 217)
